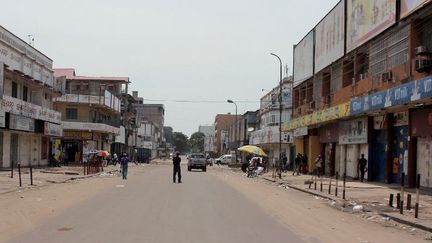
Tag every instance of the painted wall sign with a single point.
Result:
(20, 107)
(399, 95)
(51, 129)
(21, 123)
(353, 132)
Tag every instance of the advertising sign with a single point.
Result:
(269, 135)
(2, 119)
(303, 59)
(329, 37)
(410, 6)
(20, 107)
(121, 138)
(51, 129)
(353, 132)
(21, 123)
(368, 18)
(300, 132)
(399, 95)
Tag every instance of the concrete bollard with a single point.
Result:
(19, 174)
(408, 207)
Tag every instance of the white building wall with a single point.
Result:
(424, 163)
(6, 149)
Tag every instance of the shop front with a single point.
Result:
(329, 138)
(421, 130)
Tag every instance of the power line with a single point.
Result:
(200, 101)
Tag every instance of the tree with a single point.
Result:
(196, 142)
(168, 134)
(180, 142)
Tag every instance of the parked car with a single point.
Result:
(224, 159)
(197, 161)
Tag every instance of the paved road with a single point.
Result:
(150, 208)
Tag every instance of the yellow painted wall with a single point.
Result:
(298, 143)
(313, 151)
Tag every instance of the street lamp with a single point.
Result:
(280, 115)
(235, 127)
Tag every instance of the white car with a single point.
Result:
(224, 159)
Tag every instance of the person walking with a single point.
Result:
(363, 167)
(124, 162)
(318, 164)
(284, 162)
(176, 168)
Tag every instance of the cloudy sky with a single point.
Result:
(200, 51)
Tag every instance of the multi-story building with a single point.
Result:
(363, 85)
(222, 125)
(209, 139)
(28, 122)
(90, 112)
(266, 135)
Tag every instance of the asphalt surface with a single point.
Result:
(149, 207)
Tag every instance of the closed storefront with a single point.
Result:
(377, 162)
(399, 145)
(421, 128)
(329, 137)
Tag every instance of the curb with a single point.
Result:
(399, 220)
(58, 182)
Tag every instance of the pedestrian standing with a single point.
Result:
(176, 168)
(284, 162)
(297, 163)
(363, 167)
(124, 162)
(318, 164)
(304, 166)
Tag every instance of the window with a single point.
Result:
(25, 93)
(14, 90)
(71, 114)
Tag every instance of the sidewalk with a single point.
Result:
(371, 196)
(43, 177)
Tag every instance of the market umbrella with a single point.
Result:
(103, 153)
(252, 150)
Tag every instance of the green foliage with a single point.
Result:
(196, 142)
(180, 142)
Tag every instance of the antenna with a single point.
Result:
(31, 39)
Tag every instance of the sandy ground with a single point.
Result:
(312, 217)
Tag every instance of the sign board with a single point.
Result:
(400, 118)
(303, 59)
(92, 127)
(20, 107)
(399, 95)
(121, 138)
(51, 129)
(2, 119)
(366, 19)
(407, 7)
(268, 135)
(300, 132)
(330, 37)
(77, 135)
(21, 123)
(353, 132)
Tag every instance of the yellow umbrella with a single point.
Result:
(252, 150)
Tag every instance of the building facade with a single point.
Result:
(266, 135)
(91, 113)
(29, 125)
(365, 87)
(209, 139)
(222, 125)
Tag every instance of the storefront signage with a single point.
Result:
(269, 135)
(51, 129)
(21, 123)
(300, 132)
(2, 119)
(332, 113)
(353, 132)
(400, 118)
(121, 138)
(77, 135)
(91, 127)
(20, 107)
(399, 95)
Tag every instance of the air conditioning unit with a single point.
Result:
(388, 76)
(423, 64)
(419, 50)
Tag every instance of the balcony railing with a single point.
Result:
(108, 100)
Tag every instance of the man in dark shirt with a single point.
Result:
(176, 168)
(362, 165)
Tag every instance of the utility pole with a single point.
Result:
(280, 116)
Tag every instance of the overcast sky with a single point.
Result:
(195, 50)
